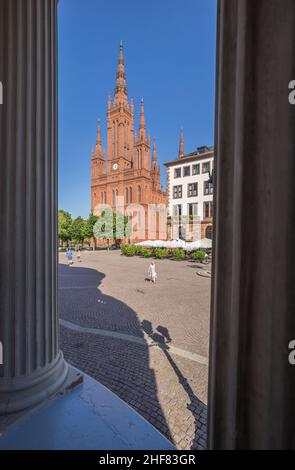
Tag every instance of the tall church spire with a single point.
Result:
(142, 133)
(154, 151)
(121, 88)
(154, 159)
(181, 145)
(98, 156)
(98, 139)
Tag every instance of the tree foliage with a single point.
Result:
(109, 226)
(78, 230)
(90, 222)
(64, 226)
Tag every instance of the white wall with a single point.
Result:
(185, 181)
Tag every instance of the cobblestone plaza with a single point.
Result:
(147, 343)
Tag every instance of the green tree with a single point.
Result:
(78, 230)
(90, 222)
(64, 226)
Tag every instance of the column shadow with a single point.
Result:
(162, 338)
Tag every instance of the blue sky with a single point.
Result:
(169, 52)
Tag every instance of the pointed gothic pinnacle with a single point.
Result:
(142, 131)
(121, 58)
(121, 88)
(142, 119)
(98, 149)
(98, 137)
(154, 151)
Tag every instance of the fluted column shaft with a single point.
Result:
(252, 385)
(33, 366)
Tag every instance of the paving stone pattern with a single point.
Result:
(110, 292)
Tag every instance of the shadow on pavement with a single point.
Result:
(121, 366)
(162, 337)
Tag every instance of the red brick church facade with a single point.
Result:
(126, 172)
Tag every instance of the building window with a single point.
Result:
(117, 196)
(130, 195)
(192, 189)
(192, 209)
(126, 196)
(94, 198)
(177, 173)
(206, 167)
(196, 169)
(177, 192)
(101, 198)
(177, 210)
(139, 195)
(105, 197)
(208, 210)
(208, 188)
(113, 198)
(186, 171)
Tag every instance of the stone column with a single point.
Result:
(252, 385)
(33, 367)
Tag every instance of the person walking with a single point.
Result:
(152, 272)
(69, 256)
(79, 255)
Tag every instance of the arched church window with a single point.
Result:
(113, 197)
(126, 196)
(130, 194)
(139, 194)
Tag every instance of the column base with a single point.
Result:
(84, 416)
(20, 393)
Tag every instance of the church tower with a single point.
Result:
(126, 175)
(120, 120)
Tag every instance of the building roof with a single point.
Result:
(200, 154)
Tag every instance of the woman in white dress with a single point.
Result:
(152, 272)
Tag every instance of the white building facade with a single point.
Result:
(190, 193)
